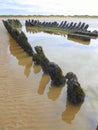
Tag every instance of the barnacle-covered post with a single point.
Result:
(56, 74)
(75, 93)
(51, 68)
(40, 58)
(14, 28)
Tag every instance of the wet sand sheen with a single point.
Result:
(27, 99)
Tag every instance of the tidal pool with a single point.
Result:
(27, 99)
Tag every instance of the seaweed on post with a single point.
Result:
(75, 93)
(56, 74)
(14, 28)
(80, 28)
(48, 67)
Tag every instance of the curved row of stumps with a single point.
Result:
(63, 25)
(14, 28)
(75, 94)
(77, 30)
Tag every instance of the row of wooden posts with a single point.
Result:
(63, 25)
(73, 27)
(14, 28)
(75, 94)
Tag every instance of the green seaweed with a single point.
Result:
(75, 93)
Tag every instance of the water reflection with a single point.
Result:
(43, 82)
(54, 92)
(70, 112)
(22, 57)
(78, 41)
(50, 31)
(36, 68)
(46, 30)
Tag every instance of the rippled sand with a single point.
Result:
(27, 99)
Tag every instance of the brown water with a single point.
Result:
(27, 99)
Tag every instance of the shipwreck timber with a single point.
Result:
(74, 91)
(78, 30)
(14, 28)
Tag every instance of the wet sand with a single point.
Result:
(27, 99)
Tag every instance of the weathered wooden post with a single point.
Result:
(75, 94)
